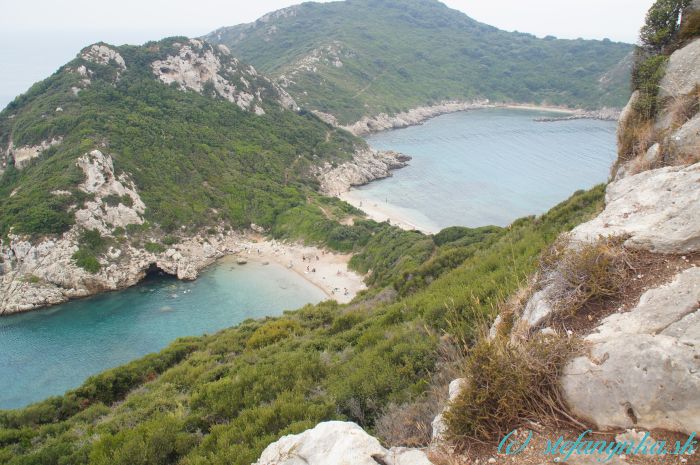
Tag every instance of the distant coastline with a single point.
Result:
(419, 115)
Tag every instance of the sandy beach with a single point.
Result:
(380, 212)
(331, 273)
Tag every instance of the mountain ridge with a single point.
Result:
(365, 57)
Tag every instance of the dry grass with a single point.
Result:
(582, 273)
(509, 384)
(634, 138)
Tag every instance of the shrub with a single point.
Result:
(271, 332)
(154, 247)
(91, 245)
(582, 273)
(508, 384)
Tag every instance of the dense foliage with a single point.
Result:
(400, 54)
(662, 24)
(195, 160)
(221, 399)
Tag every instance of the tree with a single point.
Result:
(662, 23)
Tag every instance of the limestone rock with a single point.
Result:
(101, 181)
(23, 155)
(366, 166)
(643, 366)
(685, 142)
(103, 55)
(382, 122)
(337, 443)
(658, 209)
(683, 71)
(438, 425)
(198, 64)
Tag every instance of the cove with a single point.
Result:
(47, 352)
(487, 167)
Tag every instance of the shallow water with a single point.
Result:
(49, 351)
(489, 167)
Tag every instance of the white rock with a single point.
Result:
(23, 155)
(658, 209)
(366, 166)
(103, 55)
(438, 425)
(381, 122)
(643, 366)
(336, 443)
(685, 142)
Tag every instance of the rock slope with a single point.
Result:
(366, 166)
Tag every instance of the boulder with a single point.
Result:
(643, 367)
(439, 426)
(683, 71)
(658, 210)
(685, 142)
(337, 443)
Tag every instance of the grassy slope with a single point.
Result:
(195, 160)
(416, 52)
(221, 399)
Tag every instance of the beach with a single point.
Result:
(382, 211)
(325, 270)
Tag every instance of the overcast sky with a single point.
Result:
(38, 36)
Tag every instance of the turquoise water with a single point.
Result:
(489, 167)
(46, 352)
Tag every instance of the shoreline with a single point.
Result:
(367, 125)
(380, 214)
(184, 261)
(332, 275)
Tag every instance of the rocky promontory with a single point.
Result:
(366, 166)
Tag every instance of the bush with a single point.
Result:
(91, 244)
(272, 332)
(508, 384)
(154, 247)
(582, 273)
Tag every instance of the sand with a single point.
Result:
(380, 211)
(332, 275)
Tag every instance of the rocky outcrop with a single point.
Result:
(100, 213)
(642, 368)
(657, 210)
(199, 64)
(682, 73)
(685, 142)
(337, 443)
(34, 275)
(25, 154)
(366, 166)
(383, 121)
(103, 55)
(439, 425)
(603, 114)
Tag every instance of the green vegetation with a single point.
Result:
(221, 399)
(91, 245)
(400, 54)
(661, 35)
(196, 161)
(662, 23)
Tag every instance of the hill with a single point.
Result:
(359, 58)
(126, 152)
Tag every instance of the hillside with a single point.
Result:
(130, 158)
(359, 58)
(222, 399)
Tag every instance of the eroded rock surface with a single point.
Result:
(658, 210)
(366, 166)
(199, 64)
(643, 366)
(683, 71)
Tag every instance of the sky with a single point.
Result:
(38, 36)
